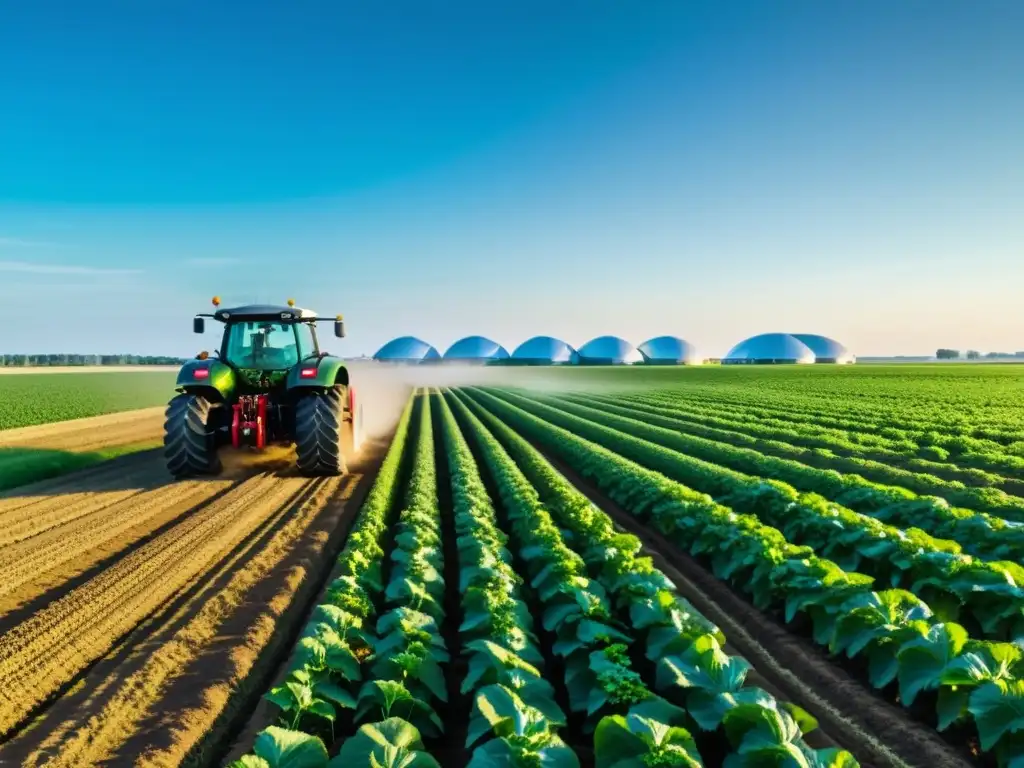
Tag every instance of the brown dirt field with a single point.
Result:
(137, 614)
(91, 433)
(15, 371)
(72, 545)
(874, 731)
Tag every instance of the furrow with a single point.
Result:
(77, 536)
(42, 654)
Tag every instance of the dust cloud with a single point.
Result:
(384, 388)
(240, 462)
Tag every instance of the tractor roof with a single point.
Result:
(264, 312)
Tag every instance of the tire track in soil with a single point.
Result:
(85, 726)
(134, 471)
(185, 677)
(51, 560)
(89, 434)
(876, 732)
(51, 648)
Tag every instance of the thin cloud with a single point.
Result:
(33, 268)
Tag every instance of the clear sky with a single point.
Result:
(706, 169)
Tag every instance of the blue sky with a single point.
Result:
(711, 170)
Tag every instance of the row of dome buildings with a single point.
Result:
(794, 348)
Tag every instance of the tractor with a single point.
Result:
(268, 384)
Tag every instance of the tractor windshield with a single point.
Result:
(307, 341)
(264, 344)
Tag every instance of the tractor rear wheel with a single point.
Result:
(190, 443)
(320, 428)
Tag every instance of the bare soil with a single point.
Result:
(139, 616)
(874, 731)
(91, 433)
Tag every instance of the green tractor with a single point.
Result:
(268, 384)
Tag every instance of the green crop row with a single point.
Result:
(338, 649)
(915, 473)
(980, 534)
(513, 703)
(958, 587)
(977, 683)
(635, 598)
(992, 446)
(925, 440)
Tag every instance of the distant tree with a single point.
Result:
(51, 359)
(948, 354)
(973, 354)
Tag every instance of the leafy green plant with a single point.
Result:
(283, 748)
(307, 693)
(391, 743)
(842, 606)
(636, 741)
(382, 699)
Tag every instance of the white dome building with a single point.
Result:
(826, 350)
(770, 348)
(609, 350)
(475, 349)
(669, 350)
(407, 349)
(544, 350)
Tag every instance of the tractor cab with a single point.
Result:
(269, 382)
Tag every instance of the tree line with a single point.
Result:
(26, 361)
(973, 354)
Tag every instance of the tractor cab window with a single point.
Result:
(307, 342)
(266, 345)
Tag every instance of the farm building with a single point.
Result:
(407, 349)
(476, 349)
(669, 350)
(769, 348)
(544, 350)
(609, 350)
(826, 350)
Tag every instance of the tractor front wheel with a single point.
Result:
(321, 432)
(190, 444)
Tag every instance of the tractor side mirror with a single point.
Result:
(339, 329)
(198, 325)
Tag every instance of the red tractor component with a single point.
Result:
(249, 423)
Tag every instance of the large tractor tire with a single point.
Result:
(190, 442)
(320, 432)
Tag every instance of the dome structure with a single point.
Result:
(826, 350)
(770, 348)
(406, 349)
(476, 349)
(544, 350)
(669, 350)
(609, 350)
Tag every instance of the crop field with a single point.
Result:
(789, 566)
(43, 398)
(689, 574)
(55, 423)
